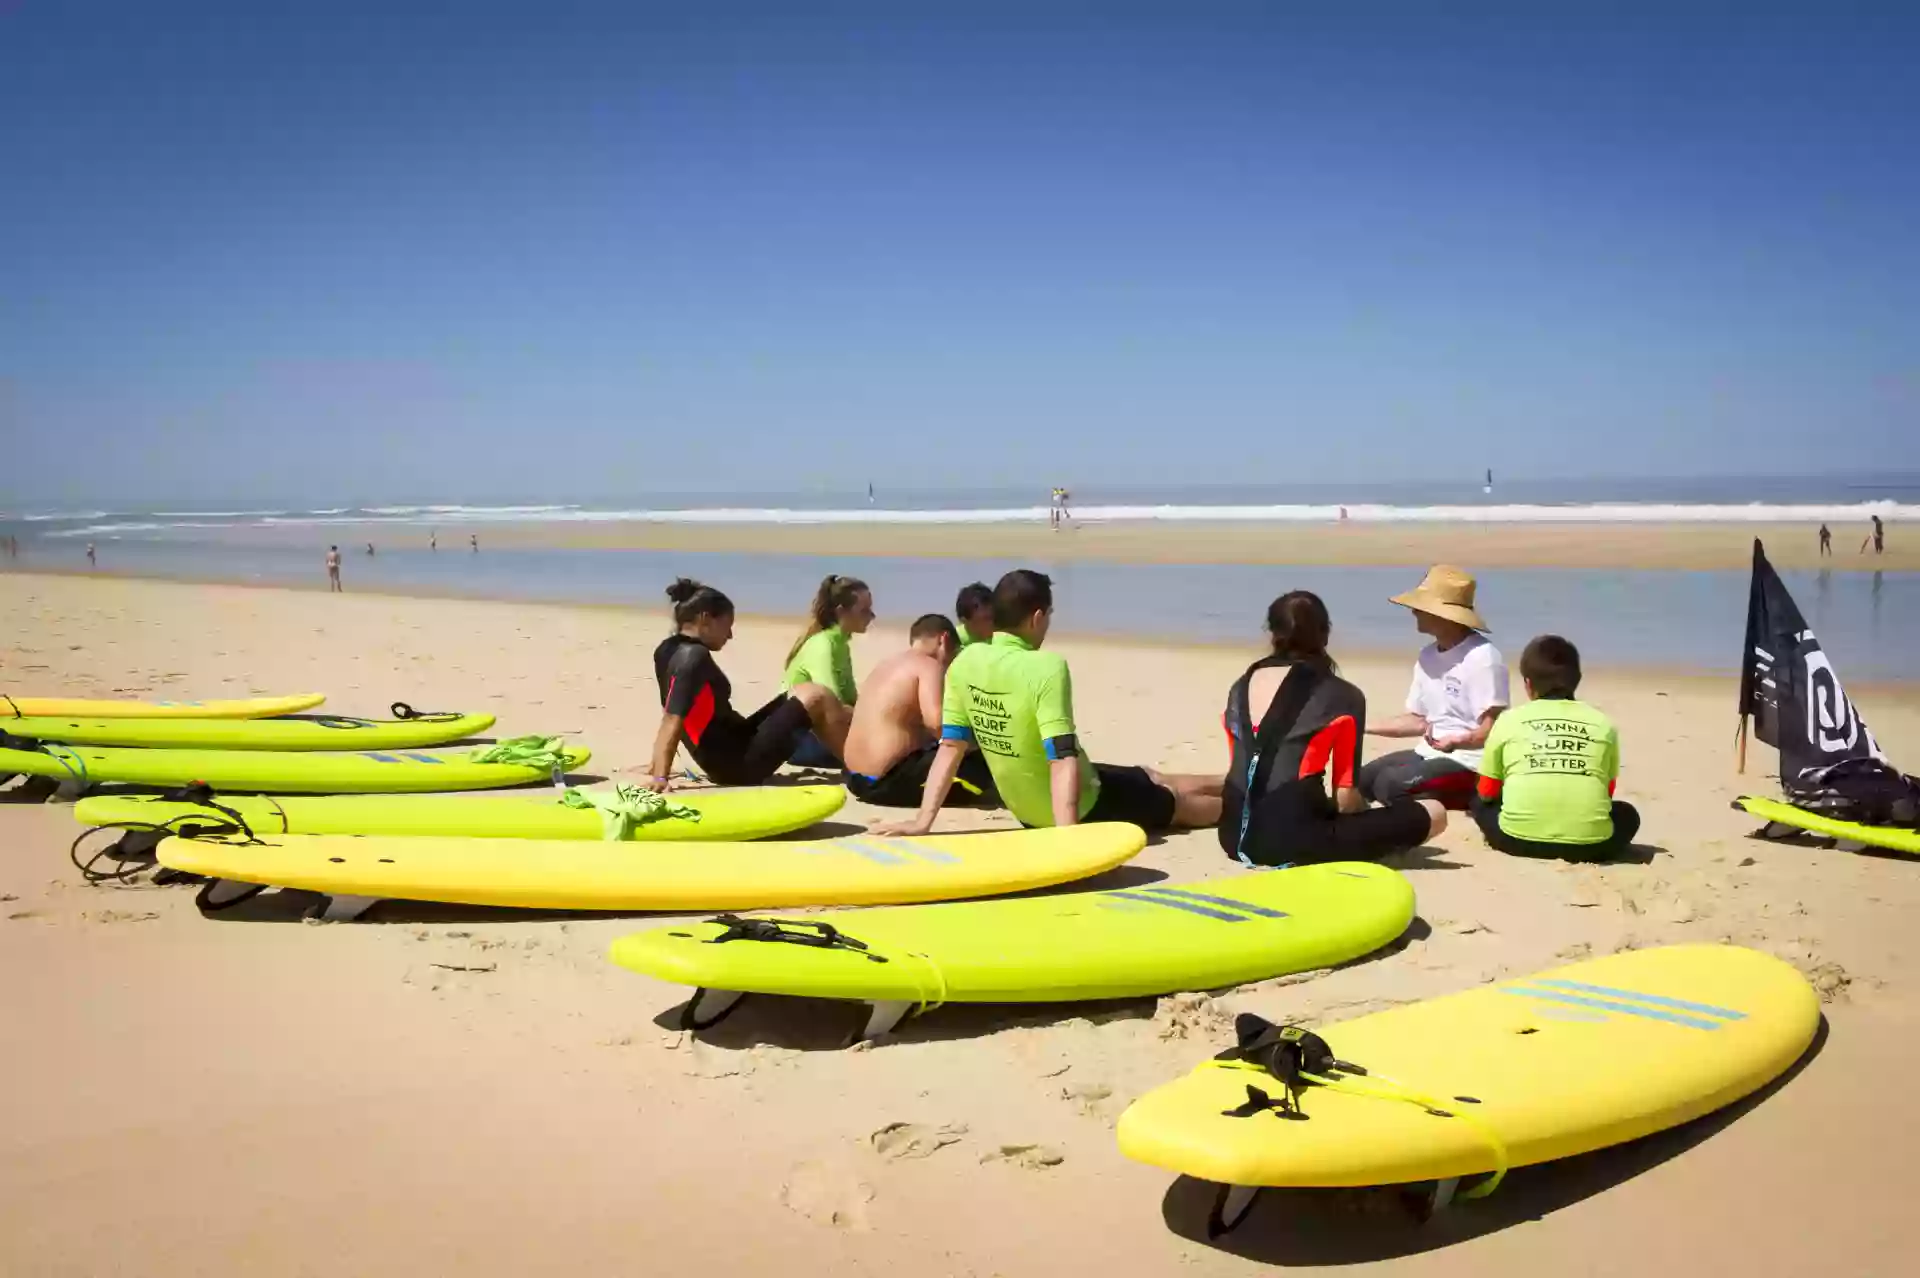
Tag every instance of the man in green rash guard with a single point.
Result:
(841, 607)
(1015, 702)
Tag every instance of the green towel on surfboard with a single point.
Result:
(545, 753)
(627, 807)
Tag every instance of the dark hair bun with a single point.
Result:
(683, 589)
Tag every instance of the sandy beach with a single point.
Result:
(1678, 546)
(447, 1087)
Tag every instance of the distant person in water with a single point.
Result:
(93, 560)
(696, 702)
(1548, 773)
(473, 539)
(1459, 688)
(369, 548)
(433, 540)
(1015, 702)
(1826, 541)
(1293, 727)
(333, 569)
(974, 611)
(1879, 535)
(823, 654)
(895, 734)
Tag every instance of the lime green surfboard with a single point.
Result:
(273, 772)
(320, 733)
(725, 815)
(1892, 838)
(1157, 939)
(12, 706)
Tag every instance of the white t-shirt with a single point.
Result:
(1452, 689)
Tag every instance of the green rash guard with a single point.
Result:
(826, 658)
(1015, 703)
(1556, 760)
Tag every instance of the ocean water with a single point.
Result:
(1845, 501)
(1866, 621)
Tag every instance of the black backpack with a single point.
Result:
(1864, 791)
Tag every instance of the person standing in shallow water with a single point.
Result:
(92, 558)
(1826, 542)
(333, 569)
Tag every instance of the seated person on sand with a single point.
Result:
(1290, 720)
(1459, 689)
(1015, 702)
(1548, 773)
(696, 702)
(974, 611)
(896, 727)
(841, 607)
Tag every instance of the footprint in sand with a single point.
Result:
(899, 1141)
(1029, 1157)
(827, 1195)
(1087, 1097)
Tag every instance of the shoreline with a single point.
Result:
(1902, 692)
(1674, 546)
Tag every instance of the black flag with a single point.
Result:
(1790, 688)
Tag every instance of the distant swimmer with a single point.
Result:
(333, 569)
(1826, 541)
(1057, 510)
(369, 548)
(895, 734)
(92, 559)
(1343, 514)
(974, 611)
(433, 540)
(473, 539)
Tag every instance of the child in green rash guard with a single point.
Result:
(1015, 703)
(1548, 771)
(842, 606)
(974, 611)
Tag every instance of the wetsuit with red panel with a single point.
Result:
(731, 748)
(1277, 807)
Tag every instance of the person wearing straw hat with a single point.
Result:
(1459, 688)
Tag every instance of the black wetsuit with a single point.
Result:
(731, 748)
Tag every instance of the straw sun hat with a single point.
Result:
(1444, 592)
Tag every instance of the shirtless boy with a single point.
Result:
(895, 732)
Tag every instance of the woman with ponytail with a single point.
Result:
(1292, 722)
(696, 702)
(823, 654)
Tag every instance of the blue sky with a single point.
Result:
(487, 251)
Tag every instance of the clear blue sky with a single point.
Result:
(480, 250)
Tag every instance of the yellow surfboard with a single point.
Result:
(1154, 939)
(94, 708)
(733, 815)
(1776, 813)
(277, 771)
(586, 875)
(320, 733)
(1549, 1066)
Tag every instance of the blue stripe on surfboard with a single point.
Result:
(1172, 904)
(1650, 1013)
(1656, 999)
(871, 851)
(1225, 902)
(924, 852)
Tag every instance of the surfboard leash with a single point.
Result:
(1298, 1058)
